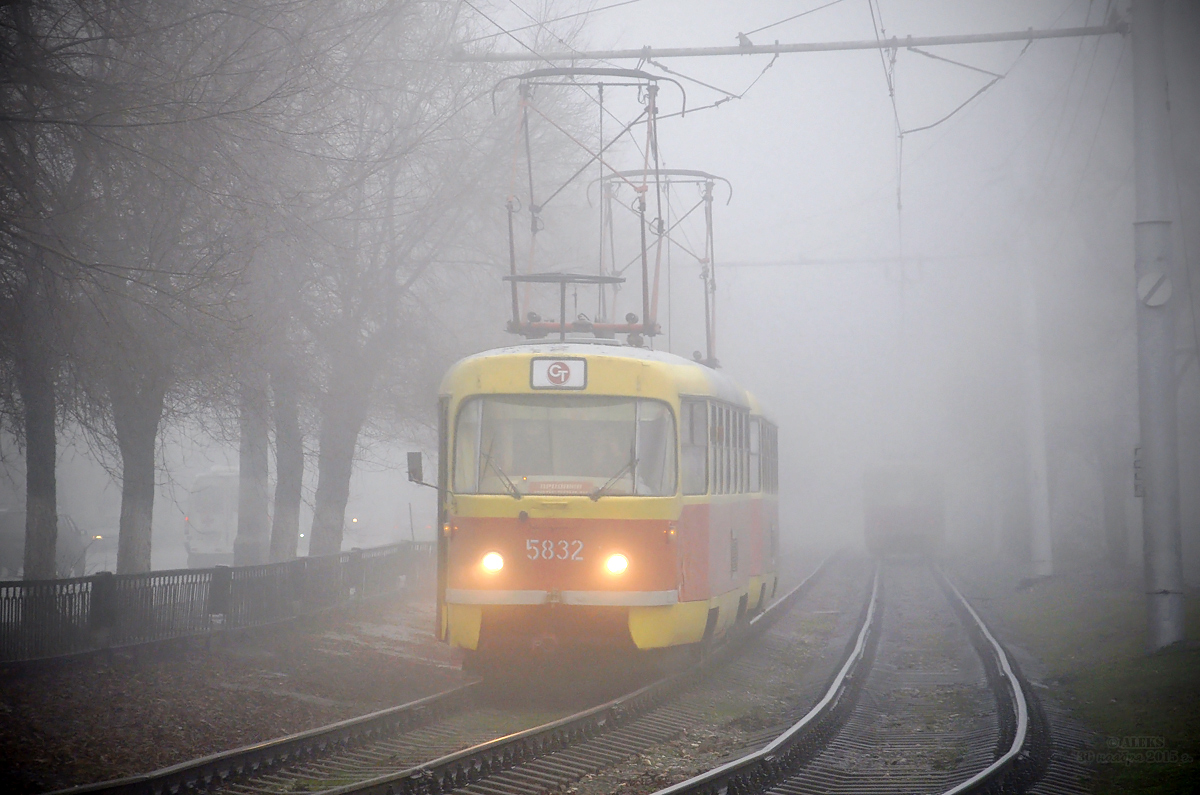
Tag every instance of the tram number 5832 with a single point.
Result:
(545, 549)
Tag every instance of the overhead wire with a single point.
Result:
(931, 147)
(667, 235)
(540, 24)
(549, 21)
(1070, 81)
(1062, 228)
(729, 95)
(935, 57)
(565, 43)
(889, 76)
(651, 150)
(505, 31)
(670, 325)
(1057, 99)
(744, 39)
(595, 156)
(998, 77)
(952, 113)
(1099, 125)
(682, 76)
(1082, 93)
(525, 125)
(789, 19)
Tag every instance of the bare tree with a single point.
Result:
(389, 188)
(241, 209)
(123, 128)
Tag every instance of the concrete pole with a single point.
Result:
(1036, 471)
(1155, 323)
(1037, 488)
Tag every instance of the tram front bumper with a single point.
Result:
(517, 621)
(468, 596)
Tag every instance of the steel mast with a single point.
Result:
(1154, 268)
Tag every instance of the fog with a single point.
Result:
(883, 301)
(873, 333)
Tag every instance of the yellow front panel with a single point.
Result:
(755, 590)
(658, 627)
(463, 623)
(728, 602)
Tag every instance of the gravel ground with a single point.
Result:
(96, 719)
(747, 704)
(925, 696)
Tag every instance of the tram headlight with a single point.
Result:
(492, 561)
(616, 564)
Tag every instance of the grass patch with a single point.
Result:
(1091, 639)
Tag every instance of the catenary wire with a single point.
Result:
(549, 21)
(789, 19)
(1063, 111)
(729, 95)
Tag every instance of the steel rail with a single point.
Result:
(476, 763)
(769, 762)
(451, 770)
(1008, 678)
(200, 774)
(782, 757)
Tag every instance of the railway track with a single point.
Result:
(926, 702)
(444, 742)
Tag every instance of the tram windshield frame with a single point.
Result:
(565, 445)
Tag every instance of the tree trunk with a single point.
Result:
(252, 544)
(289, 468)
(137, 406)
(342, 416)
(35, 381)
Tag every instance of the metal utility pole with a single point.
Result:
(1155, 324)
(1041, 540)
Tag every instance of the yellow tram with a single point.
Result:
(594, 495)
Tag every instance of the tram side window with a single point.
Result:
(726, 451)
(694, 436)
(714, 432)
(466, 454)
(771, 454)
(723, 441)
(735, 417)
(774, 460)
(744, 451)
(719, 443)
(714, 428)
(744, 457)
(755, 454)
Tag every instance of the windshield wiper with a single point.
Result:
(513, 491)
(603, 490)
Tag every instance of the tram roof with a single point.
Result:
(690, 377)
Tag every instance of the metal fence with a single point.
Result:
(52, 618)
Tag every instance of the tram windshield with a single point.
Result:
(564, 444)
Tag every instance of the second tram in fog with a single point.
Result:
(600, 496)
(904, 509)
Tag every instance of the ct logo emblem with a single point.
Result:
(550, 373)
(558, 373)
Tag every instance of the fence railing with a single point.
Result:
(52, 618)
